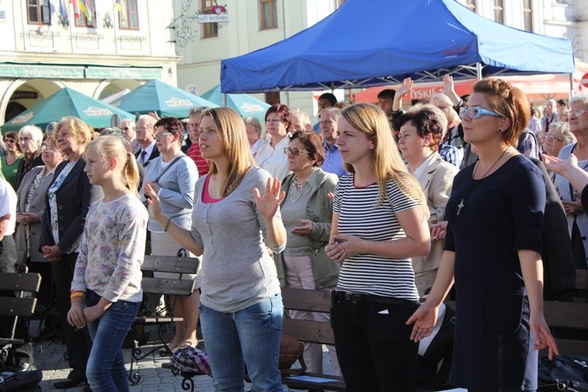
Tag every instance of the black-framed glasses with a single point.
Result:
(474, 112)
(295, 151)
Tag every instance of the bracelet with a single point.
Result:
(167, 225)
(77, 294)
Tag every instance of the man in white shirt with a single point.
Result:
(7, 225)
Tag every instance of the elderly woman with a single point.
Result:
(253, 129)
(172, 176)
(30, 138)
(10, 163)
(278, 122)
(30, 209)
(307, 213)
(451, 142)
(557, 137)
(421, 130)
(66, 204)
(577, 218)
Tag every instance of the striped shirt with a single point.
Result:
(359, 216)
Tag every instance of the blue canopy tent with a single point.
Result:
(374, 42)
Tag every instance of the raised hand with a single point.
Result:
(272, 197)
(405, 88)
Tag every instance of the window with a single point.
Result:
(268, 14)
(499, 11)
(87, 8)
(39, 12)
(129, 19)
(209, 30)
(471, 4)
(528, 15)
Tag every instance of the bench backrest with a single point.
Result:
(307, 330)
(177, 285)
(13, 306)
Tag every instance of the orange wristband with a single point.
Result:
(77, 294)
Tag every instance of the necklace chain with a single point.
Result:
(474, 184)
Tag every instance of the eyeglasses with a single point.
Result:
(163, 134)
(9, 141)
(128, 128)
(295, 151)
(577, 113)
(48, 148)
(552, 137)
(475, 112)
(142, 128)
(24, 139)
(273, 121)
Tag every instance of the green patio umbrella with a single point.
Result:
(244, 104)
(66, 102)
(160, 97)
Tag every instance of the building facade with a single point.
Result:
(97, 47)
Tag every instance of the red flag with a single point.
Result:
(74, 4)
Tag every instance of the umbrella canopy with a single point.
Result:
(66, 102)
(160, 97)
(244, 104)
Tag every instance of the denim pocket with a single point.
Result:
(262, 308)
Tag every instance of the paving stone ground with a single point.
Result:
(49, 357)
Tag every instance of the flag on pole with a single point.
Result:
(122, 12)
(85, 7)
(62, 10)
(74, 4)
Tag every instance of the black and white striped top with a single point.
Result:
(358, 215)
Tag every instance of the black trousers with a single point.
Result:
(78, 342)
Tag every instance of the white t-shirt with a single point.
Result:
(8, 205)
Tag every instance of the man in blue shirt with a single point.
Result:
(328, 125)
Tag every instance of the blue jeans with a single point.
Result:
(249, 337)
(106, 365)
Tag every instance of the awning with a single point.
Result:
(70, 71)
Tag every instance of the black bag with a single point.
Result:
(565, 373)
(21, 381)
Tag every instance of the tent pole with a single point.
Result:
(571, 76)
(224, 99)
(479, 71)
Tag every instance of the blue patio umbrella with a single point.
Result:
(66, 102)
(160, 97)
(244, 104)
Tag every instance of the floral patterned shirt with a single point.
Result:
(112, 250)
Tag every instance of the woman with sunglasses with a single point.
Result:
(172, 176)
(235, 222)
(492, 251)
(307, 212)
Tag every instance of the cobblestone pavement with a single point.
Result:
(49, 357)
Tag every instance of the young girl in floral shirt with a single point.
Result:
(106, 288)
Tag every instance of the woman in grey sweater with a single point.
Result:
(233, 225)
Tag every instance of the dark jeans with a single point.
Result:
(78, 342)
(373, 345)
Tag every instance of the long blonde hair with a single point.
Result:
(231, 129)
(386, 160)
(109, 147)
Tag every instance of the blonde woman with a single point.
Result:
(376, 290)
(233, 226)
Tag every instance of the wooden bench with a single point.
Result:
(21, 305)
(182, 285)
(309, 331)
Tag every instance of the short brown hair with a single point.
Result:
(313, 144)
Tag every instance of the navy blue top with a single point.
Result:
(501, 214)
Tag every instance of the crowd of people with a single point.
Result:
(389, 209)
